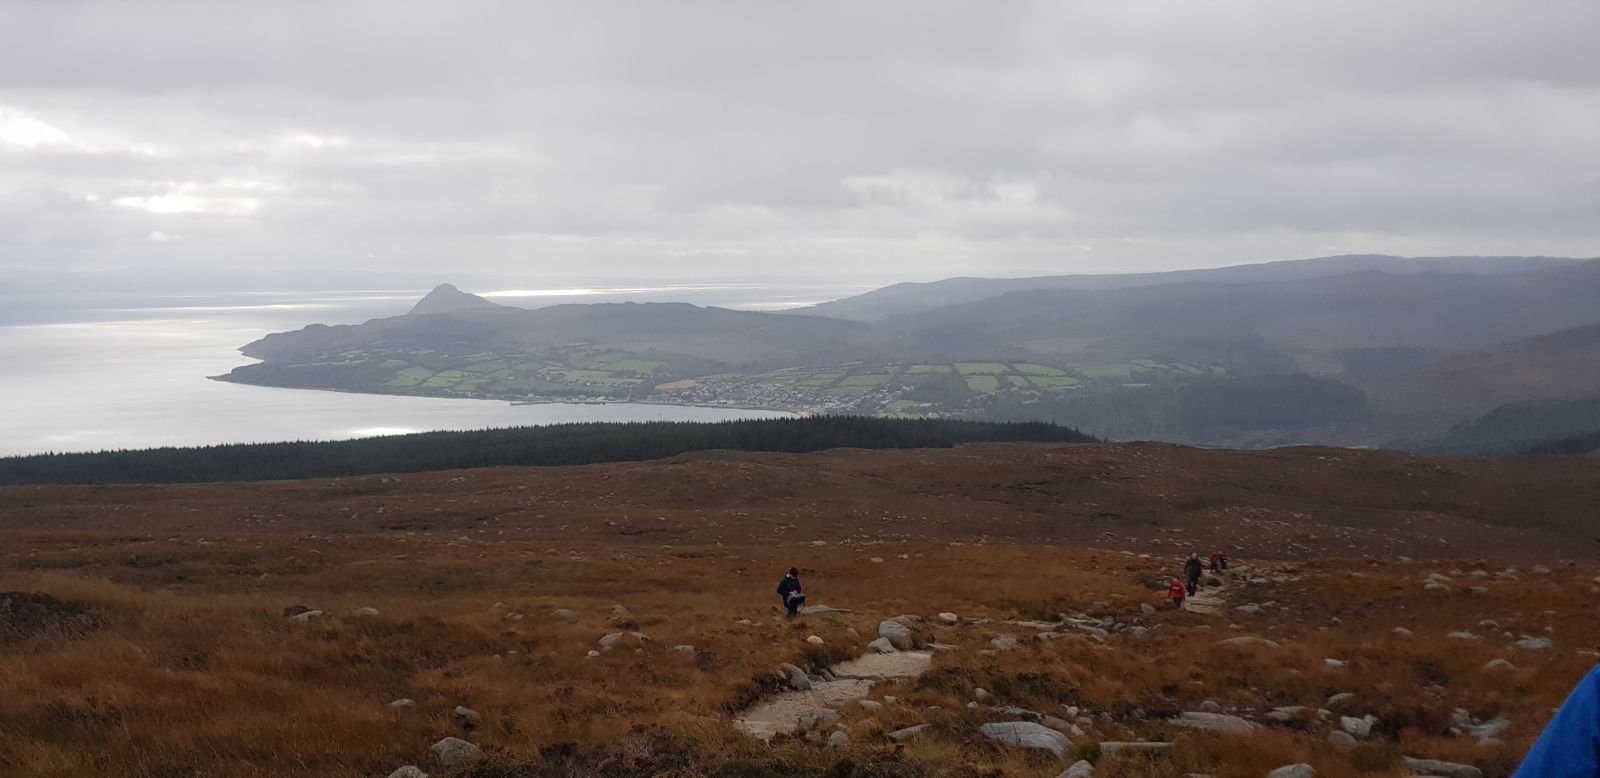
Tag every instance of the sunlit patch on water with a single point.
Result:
(373, 432)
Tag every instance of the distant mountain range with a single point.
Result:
(1390, 349)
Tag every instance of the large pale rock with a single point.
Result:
(563, 614)
(1079, 769)
(882, 646)
(452, 751)
(1113, 747)
(949, 618)
(1361, 728)
(1027, 734)
(908, 733)
(1247, 641)
(409, 771)
(795, 677)
(816, 718)
(619, 638)
(899, 635)
(1440, 769)
(1215, 722)
(1341, 739)
(1301, 770)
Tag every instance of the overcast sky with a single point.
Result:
(916, 140)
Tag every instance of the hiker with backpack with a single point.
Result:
(1216, 562)
(1191, 573)
(789, 590)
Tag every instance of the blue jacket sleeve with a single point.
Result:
(1570, 745)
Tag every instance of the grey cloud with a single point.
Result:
(915, 139)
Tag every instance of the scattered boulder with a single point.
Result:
(1079, 769)
(1440, 769)
(1534, 644)
(907, 733)
(616, 638)
(1498, 666)
(1341, 739)
(839, 739)
(795, 677)
(1361, 728)
(898, 635)
(816, 718)
(870, 706)
(452, 751)
(682, 648)
(466, 719)
(364, 613)
(1147, 609)
(981, 695)
(882, 646)
(949, 618)
(1335, 664)
(1247, 641)
(1214, 722)
(1335, 699)
(1402, 632)
(563, 614)
(404, 703)
(1004, 643)
(814, 640)
(1249, 609)
(305, 616)
(1027, 734)
(409, 771)
(1134, 747)
(1301, 770)
(1462, 635)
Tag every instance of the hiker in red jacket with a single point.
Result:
(1177, 592)
(1216, 562)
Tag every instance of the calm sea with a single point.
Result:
(88, 373)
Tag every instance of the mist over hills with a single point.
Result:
(1353, 350)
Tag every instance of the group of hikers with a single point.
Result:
(1181, 590)
(1178, 591)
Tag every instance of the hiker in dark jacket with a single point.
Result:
(1191, 573)
(789, 590)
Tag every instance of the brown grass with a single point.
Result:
(191, 668)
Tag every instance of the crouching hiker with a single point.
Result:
(1176, 593)
(789, 590)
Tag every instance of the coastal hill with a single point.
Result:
(1390, 349)
(446, 298)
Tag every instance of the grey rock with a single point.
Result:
(795, 677)
(452, 751)
(1004, 643)
(404, 703)
(1249, 609)
(870, 706)
(1134, 747)
(908, 732)
(981, 695)
(1342, 739)
(898, 635)
(1462, 635)
(409, 771)
(1147, 609)
(465, 719)
(949, 618)
(1210, 706)
(616, 638)
(1301, 770)
(815, 640)
(817, 718)
(1402, 632)
(682, 648)
(839, 739)
(1214, 722)
(562, 614)
(364, 613)
(881, 646)
(1361, 728)
(1335, 699)
(1498, 666)
(1534, 644)
(301, 618)
(1335, 664)
(1079, 769)
(1027, 734)
(1247, 641)
(1440, 769)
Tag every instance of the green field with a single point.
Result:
(983, 384)
(982, 368)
